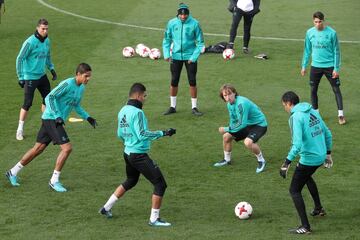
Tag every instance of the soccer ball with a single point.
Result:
(243, 210)
(155, 53)
(142, 50)
(138, 48)
(128, 52)
(228, 54)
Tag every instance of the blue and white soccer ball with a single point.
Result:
(243, 210)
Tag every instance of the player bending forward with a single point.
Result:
(246, 122)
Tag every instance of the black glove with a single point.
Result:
(285, 168)
(59, 121)
(53, 73)
(21, 83)
(92, 121)
(169, 132)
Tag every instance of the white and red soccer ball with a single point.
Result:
(142, 50)
(128, 52)
(243, 210)
(228, 54)
(154, 53)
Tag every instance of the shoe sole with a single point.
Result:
(319, 215)
(19, 138)
(55, 189)
(168, 113)
(152, 225)
(263, 169)
(105, 215)
(14, 185)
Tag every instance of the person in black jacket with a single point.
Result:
(247, 9)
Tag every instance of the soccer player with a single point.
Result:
(322, 43)
(133, 131)
(185, 34)
(247, 123)
(31, 63)
(312, 140)
(59, 103)
(247, 9)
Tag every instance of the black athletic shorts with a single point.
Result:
(176, 67)
(50, 132)
(254, 132)
(317, 73)
(43, 85)
(137, 163)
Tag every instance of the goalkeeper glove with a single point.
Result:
(21, 83)
(53, 73)
(285, 168)
(328, 161)
(92, 121)
(169, 132)
(59, 121)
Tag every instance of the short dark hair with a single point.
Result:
(227, 87)
(318, 15)
(43, 21)
(290, 97)
(137, 88)
(83, 68)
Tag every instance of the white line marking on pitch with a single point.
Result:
(162, 29)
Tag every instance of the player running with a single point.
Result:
(60, 102)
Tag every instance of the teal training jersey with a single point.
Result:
(33, 59)
(323, 47)
(63, 99)
(187, 38)
(243, 113)
(311, 138)
(133, 129)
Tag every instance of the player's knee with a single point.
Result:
(336, 89)
(313, 89)
(227, 137)
(248, 142)
(174, 83)
(130, 183)
(192, 82)
(160, 187)
(27, 105)
(67, 148)
(294, 192)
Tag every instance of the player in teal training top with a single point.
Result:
(322, 43)
(312, 140)
(59, 103)
(185, 33)
(134, 133)
(246, 122)
(31, 64)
